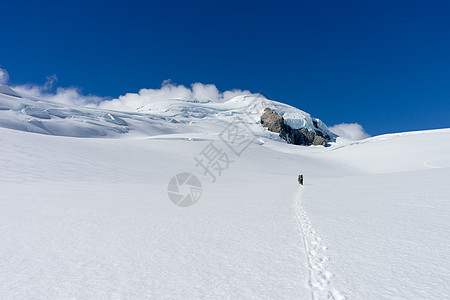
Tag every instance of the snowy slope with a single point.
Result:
(91, 218)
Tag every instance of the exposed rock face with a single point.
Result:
(275, 123)
(318, 140)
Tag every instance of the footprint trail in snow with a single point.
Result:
(317, 258)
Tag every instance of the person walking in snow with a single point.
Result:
(300, 179)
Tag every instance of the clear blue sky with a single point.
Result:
(383, 64)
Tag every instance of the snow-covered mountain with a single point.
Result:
(94, 218)
(22, 112)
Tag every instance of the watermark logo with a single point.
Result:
(184, 189)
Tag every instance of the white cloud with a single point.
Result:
(68, 96)
(127, 102)
(352, 131)
(51, 80)
(168, 90)
(4, 76)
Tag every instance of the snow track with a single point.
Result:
(316, 256)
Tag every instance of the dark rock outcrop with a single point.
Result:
(275, 123)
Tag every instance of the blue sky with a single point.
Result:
(383, 64)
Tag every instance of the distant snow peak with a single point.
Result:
(176, 115)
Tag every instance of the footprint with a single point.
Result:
(316, 255)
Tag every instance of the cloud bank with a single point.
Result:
(127, 102)
(351, 131)
(68, 96)
(168, 90)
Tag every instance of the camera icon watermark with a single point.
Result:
(184, 189)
